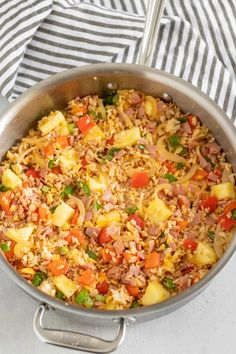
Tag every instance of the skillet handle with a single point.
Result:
(4, 103)
(151, 28)
(73, 340)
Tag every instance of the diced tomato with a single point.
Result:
(130, 258)
(58, 267)
(139, 221)
(62, 141)
(226, 223)
(48, 150)
(85, 123)
(10, 254)
(42, 212)
(190, 244)
(132, 290)
(229, 207)
(5, 202)
(139, 180)
(102, 287)
(106, 256)
(110, 141)
(153, 260)
(218, 172)
(79, 109)
(84, 162)
(87, 277)
(191, 120)
(104, 237)
(32, 172)
(80, 237)
(170, 167)
(56, 170)
(200, 174)
(209, 203)
(75, 217)
(116, 258)
(182, 224)
(68, 238)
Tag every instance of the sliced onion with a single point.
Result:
(188, 175)
(161, 187)
(219, 242)
(81, 207)
(226, 176)
(125, 117)
(102, 108)
(168, 155)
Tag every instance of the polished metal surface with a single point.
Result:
(54, 93)
(151, 30)
(74, 340)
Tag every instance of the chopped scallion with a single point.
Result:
(111, 153)
(211, 234)
(131, 210)
(5, 247)
(170, 177)
(180, 166)
(67, 191)
(71, 127)
(174, 141)
(233, 214)
(45, 189)
(3, 188)
(52, 163)
(92, 255)
(97, 206)
(182, 119)
(168, 283)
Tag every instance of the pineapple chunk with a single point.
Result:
(69, 159)
(150, 107)
(27, 271)
(157, 211)
(204, 255)
(39, 160)
(62, 214)
(22, 234)
(10, 179)
(99, 184)
(50, 122)
(65, 285)
(127, 137)
(109, 218)
(223, 191)
(63, 128)
(95, 133)
(21, 248)
(154, 293)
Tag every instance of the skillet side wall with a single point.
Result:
(55, 92)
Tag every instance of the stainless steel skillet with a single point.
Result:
(54, 93)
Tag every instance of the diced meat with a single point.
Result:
(92, 231)
(136, 98)
(212, 176)
(119, 246)
(214, 148)
(114, 272)
(107, 196)
(186, 128)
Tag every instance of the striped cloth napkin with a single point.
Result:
(197, 41)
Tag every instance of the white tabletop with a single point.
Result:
(207, 325)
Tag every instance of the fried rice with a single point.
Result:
(116, 202)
